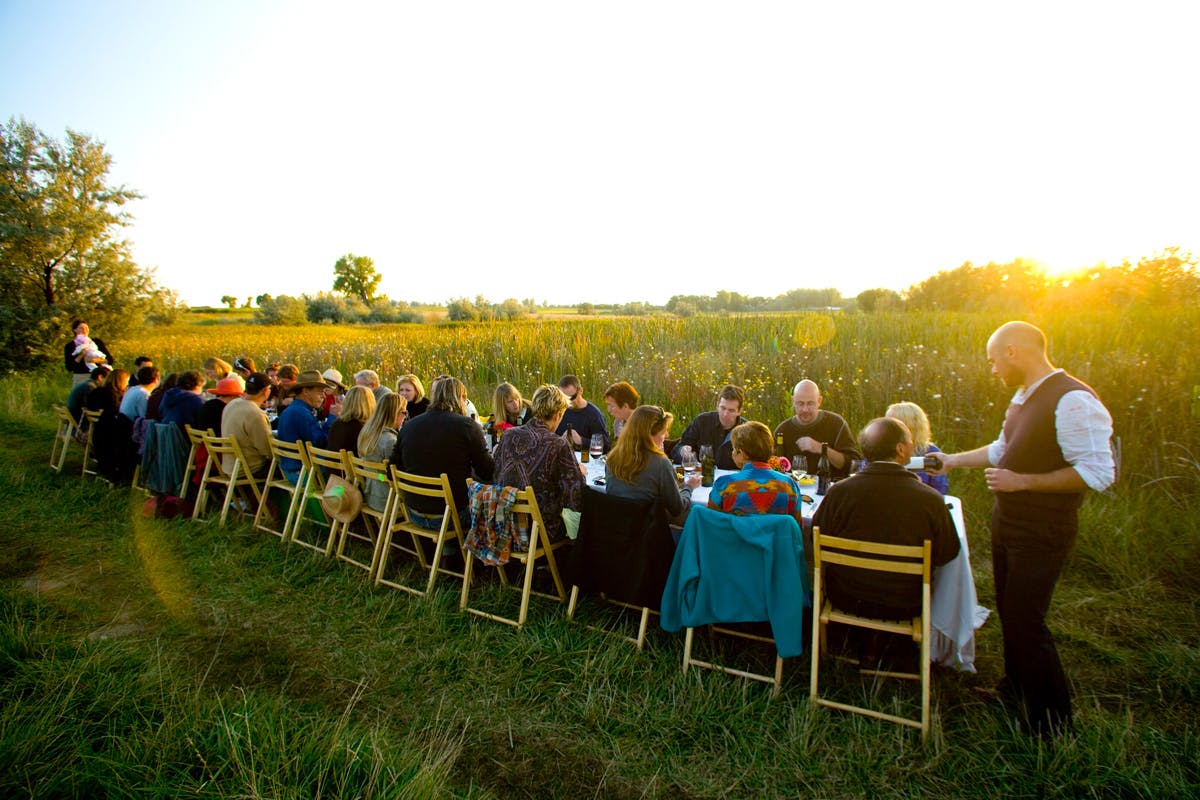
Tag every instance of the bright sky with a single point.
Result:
(618, 151)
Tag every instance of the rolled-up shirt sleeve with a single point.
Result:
(1084, 429)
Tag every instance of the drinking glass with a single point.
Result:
(597, 446)
(705, 451)
(857, 465)
(690, 464)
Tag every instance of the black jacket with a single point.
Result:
(441, 441)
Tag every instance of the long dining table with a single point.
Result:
(956, 611)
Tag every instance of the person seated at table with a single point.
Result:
(620, 399)
(181, 405)
(281, 396)
(638, 468)
(884, 503)
(154, 404)
(370, 379)
(137, 396)
(138, 363)
(77, 397)
(410, 388)
(357, 407)
(111, 439)
(443, 439)
(755, 488)
(811, 427)
(216, 368)
(509, 409)
(226, 391)
(532, 455)
(335, 392)
(244, 366)
(914, 417)
(376, 441)
(583, 417)
(245, 421)
(298, 422)
(713, 428)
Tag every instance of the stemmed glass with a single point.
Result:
(597, 445)
(690, 464)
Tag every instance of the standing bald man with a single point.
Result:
(1054, 446)
(811, 427)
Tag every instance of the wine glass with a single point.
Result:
(597, 445)
(706, 451)
(690, 464)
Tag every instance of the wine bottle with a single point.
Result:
(779, 444)
(823, 470)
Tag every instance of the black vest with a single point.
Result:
(1031, 447)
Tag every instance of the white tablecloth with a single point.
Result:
(956, 614)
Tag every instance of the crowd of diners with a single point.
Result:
(522, 442)
(1054, 446)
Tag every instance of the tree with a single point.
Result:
(356, 275)
(59, 220)
(873, 300)
(229, 300)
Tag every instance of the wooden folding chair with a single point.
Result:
(238, 477)
(196, 438)
(622, 555)
(276, 479)
(321, 464)
(88, 426)
(362, 473)
(540, 548)
(887, 558)
(750, 569)
(63, 437)
(404, 486)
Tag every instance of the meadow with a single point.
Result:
(158, 658)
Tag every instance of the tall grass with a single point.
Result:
(862, 362)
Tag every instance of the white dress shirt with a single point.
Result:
(1083, 427)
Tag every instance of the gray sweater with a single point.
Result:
(657, 482)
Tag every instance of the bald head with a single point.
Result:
(1017, 353)
(806, 401)
(1028, 338)
(886, 439)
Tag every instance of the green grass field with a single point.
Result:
(156, 658)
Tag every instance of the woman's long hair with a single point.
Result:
(635, 447)
(357, 405)
(386, 415)
(505, 392)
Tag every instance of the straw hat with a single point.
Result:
(341, 499)
(333, 379)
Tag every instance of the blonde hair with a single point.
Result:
(415, 382)
(548, 401)
(914, 417)
(754, 440)
(358, 404)
(505, 392)
(449, 394)
(386, 415)
(220, 368)
(635, 446)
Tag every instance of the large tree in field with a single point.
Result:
(58, 248)
(356, 275)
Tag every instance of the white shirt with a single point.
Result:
(1083, 428)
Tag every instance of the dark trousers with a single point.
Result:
(1027, 557)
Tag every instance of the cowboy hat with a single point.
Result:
(307, 379)
(341, 499)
